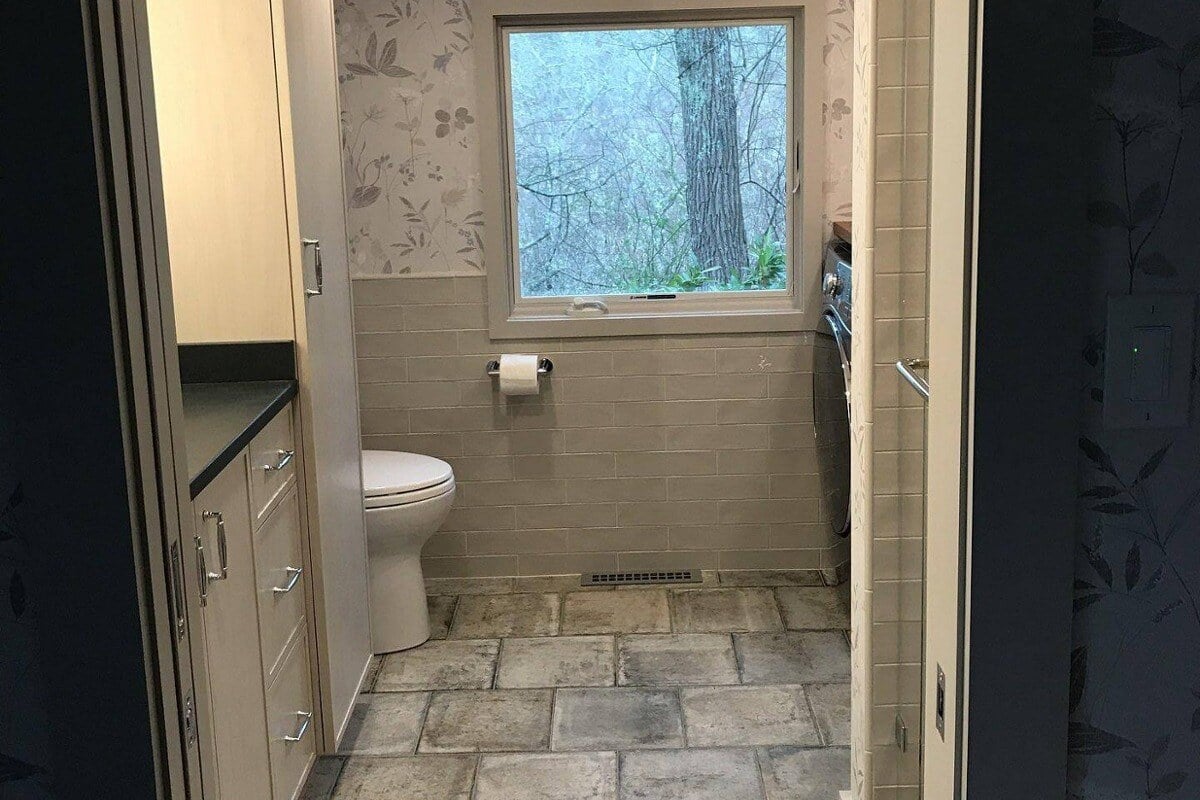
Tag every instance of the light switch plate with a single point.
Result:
(1148, 360)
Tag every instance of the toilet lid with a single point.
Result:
(387, 472)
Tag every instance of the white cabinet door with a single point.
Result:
(328, 375)
(217, 124)
(237, 726)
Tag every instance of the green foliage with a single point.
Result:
(692, 279)
(768, 267)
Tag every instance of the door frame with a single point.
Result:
(1019, 406)
(144, 304)
(952, 265)
(140, 297)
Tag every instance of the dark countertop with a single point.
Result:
(220, 419)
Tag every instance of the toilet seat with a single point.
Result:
(392, 478)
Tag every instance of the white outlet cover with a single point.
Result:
(1148, 360)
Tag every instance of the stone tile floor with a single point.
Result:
(536, 689)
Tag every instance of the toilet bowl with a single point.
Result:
(406, 498)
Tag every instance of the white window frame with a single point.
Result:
(796, 308)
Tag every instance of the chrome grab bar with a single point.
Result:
(906, 366)
(545, 367)
(299, 734)
(285, 458)
(294, 574)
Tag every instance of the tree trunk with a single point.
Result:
(710, 138)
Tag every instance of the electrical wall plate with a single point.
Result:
(1148, 360)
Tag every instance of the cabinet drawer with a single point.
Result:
(291, 725)
(279, 562)
(272, 463)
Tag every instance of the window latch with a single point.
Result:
(586, 307)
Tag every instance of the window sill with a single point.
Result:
(561, 326)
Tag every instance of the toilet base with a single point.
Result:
(399, 608)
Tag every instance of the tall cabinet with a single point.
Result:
(249, 156)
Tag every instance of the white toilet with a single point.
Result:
(406, 497)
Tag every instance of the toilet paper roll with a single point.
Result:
(519, 374)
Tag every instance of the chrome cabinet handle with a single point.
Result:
(306, 716)
(294, 574)
(318, 267)
(222, 546)
(285, 458)
(202, 569)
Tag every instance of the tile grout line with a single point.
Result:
(424, 722)
(553, 709)
(812, 715)
(475, 776)
(678, 692)
(494, 683)
(783, 621)
(616, 651)
(453, 615)
(762, 783)
(737, 660)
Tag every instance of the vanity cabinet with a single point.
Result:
(250, 559)
(246, 128)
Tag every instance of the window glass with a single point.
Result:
(650, 159)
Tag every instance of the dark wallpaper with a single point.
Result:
(24, 747)
(1135, 691)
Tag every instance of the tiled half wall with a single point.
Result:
(640, 452)
(891, 162)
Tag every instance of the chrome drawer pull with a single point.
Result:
(222, 547)
(285, 458)
(294, 574)
(318, 268)
(303, 729)
(202, 569)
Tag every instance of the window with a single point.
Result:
(649, 171)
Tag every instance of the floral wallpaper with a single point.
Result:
(838, 55)
(409, 133)
(1135, 679)
(407, 77)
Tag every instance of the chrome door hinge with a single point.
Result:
(175, 593)
(189, 720)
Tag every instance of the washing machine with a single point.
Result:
(831, 385)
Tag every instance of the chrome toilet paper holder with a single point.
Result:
(545, 367)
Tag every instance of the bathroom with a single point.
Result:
(447, 515)
(322, 476)
(647, 453)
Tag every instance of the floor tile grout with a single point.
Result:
(715, 658)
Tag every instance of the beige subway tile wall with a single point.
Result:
(898, 291)
(639, 453)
